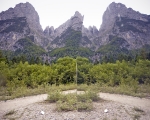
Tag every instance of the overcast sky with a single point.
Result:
(56, 12)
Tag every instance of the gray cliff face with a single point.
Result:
(123, 22)
(89, 36)
(122, 28)
(62, 32)
(23, 10)
(118, 21)
(49, 33)
(17, 23)
(11, 30)
(75, 23)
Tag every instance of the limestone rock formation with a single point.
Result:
(75, 23)
(64, 31)
(123, 22)
(17, 23)
(49, 32)
(89, 36)
(122, 30)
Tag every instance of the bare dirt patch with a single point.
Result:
(119, 107)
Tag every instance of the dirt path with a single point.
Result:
(120, 107)
(129, 100)
(21, 102)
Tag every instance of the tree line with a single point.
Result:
(69, 70)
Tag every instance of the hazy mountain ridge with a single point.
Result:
(58, 35)
(20, 22)
(122, 30)
(126, 23)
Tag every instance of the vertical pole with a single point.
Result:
(76, 82)
(76, 73)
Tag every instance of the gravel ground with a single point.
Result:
(116, 110)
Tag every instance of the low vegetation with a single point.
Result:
(19, 79)
(73, 101)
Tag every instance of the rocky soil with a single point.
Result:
(119, 107)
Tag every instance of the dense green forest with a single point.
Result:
(63, 71)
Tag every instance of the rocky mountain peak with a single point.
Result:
(90, 32)
(24, 5)
(49, 31)
(120, 10)
(112, 11)
(65, 31)
(93, 30)
(46, 31)
(19, 22)
(77, 14)
(125, 23)
(114, 5)
(23, 10)
(122, 28)
(75, 23)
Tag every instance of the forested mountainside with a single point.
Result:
(124, 34)
(115, 58)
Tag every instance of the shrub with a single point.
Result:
(85, 106)
(67, 103)
(2, 80)
(73, 101)
(93, 95)
(54, 96)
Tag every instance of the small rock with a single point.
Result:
(106, 111)
(42, 112)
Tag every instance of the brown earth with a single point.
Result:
(120, 107)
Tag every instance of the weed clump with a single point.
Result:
(54, 96)
(73, 101)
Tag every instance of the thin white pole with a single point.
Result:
(76, 73)
(76, 81)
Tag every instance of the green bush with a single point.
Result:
(85, 106)
(2, 80)
(54, 96)
(67, 102)
(93, 95)
(73, 101)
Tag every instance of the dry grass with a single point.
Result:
(73, 101)
(142, 90)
